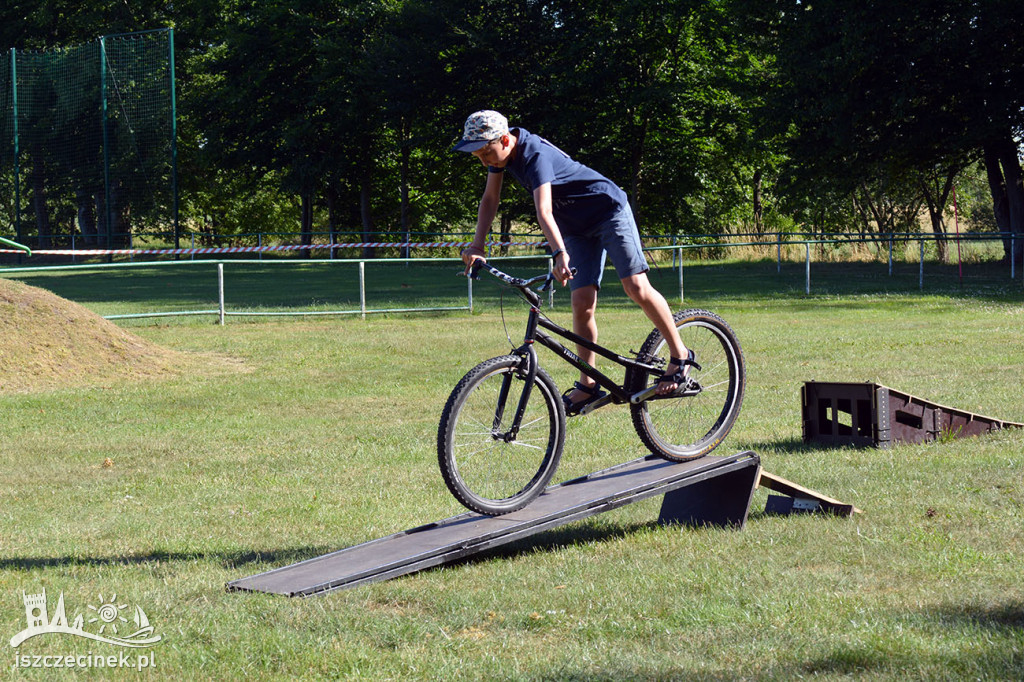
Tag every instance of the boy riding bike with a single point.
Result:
(585, 218)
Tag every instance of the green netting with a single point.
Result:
(87, 142)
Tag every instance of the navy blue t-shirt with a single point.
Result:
(581, 198)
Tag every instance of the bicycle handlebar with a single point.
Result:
(517, 282)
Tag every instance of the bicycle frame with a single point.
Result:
(619, 393)
(503, 430)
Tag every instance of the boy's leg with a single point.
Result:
(654, 305)
(587, 255)
(621, 239)
(584, 323)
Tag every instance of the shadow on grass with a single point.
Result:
(571, 535)
(1008, 616)
(784, 446)
(991, 657)
(226, 559)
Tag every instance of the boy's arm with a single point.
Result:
(484, 218)
(542, 201)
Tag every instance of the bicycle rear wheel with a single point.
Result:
(691, 425)
(485, 467)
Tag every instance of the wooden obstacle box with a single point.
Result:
(866, 414)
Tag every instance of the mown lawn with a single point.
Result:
(323, 435)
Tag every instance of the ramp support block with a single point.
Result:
(722, 501)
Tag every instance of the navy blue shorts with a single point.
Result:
(616, 238)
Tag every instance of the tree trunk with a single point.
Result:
(102, 219)
(875, 210)
(367, 220)
(332, 220)
(306, 228)
(86, 217)
(505, 234)
(758, 204)
(637, 170)
(404, 192)
(121, 230)
(1010, 162)
(936, 201)
(38, 179)
(1003, 170)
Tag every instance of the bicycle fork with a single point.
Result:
(529, 356)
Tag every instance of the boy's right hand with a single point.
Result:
(471, 254)
(560, 268)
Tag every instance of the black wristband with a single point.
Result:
(554, 254)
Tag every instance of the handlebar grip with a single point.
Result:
(474, 270)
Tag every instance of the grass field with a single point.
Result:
(321, 434)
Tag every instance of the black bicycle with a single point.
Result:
(503, 428)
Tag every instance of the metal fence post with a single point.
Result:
(1013, 258)
(470, 294)
(551, 291)
(890, 254)
(682, 297)
(920, 277)
(220, 292)
(362, 289)
(807, 287)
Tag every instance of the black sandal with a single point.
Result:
(572, 409)
(679, 376)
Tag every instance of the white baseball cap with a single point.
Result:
(481, 127)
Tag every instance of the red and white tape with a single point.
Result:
(259, 249)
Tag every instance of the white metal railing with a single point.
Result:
(222, 311)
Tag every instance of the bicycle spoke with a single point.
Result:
(485, 469)
(686, 426)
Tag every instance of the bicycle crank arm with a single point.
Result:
(651, 392)
(600, 402)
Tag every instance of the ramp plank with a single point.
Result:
(786, 487)
(459, 536)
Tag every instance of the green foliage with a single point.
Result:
(871, 92)
(721, 116)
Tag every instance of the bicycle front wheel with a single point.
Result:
(695, 423)
(487, 467)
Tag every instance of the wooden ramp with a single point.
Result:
(801, 498)
(839, 413)
(718, 491)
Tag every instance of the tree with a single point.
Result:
(876, 88)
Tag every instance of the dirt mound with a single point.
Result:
(48, 342)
